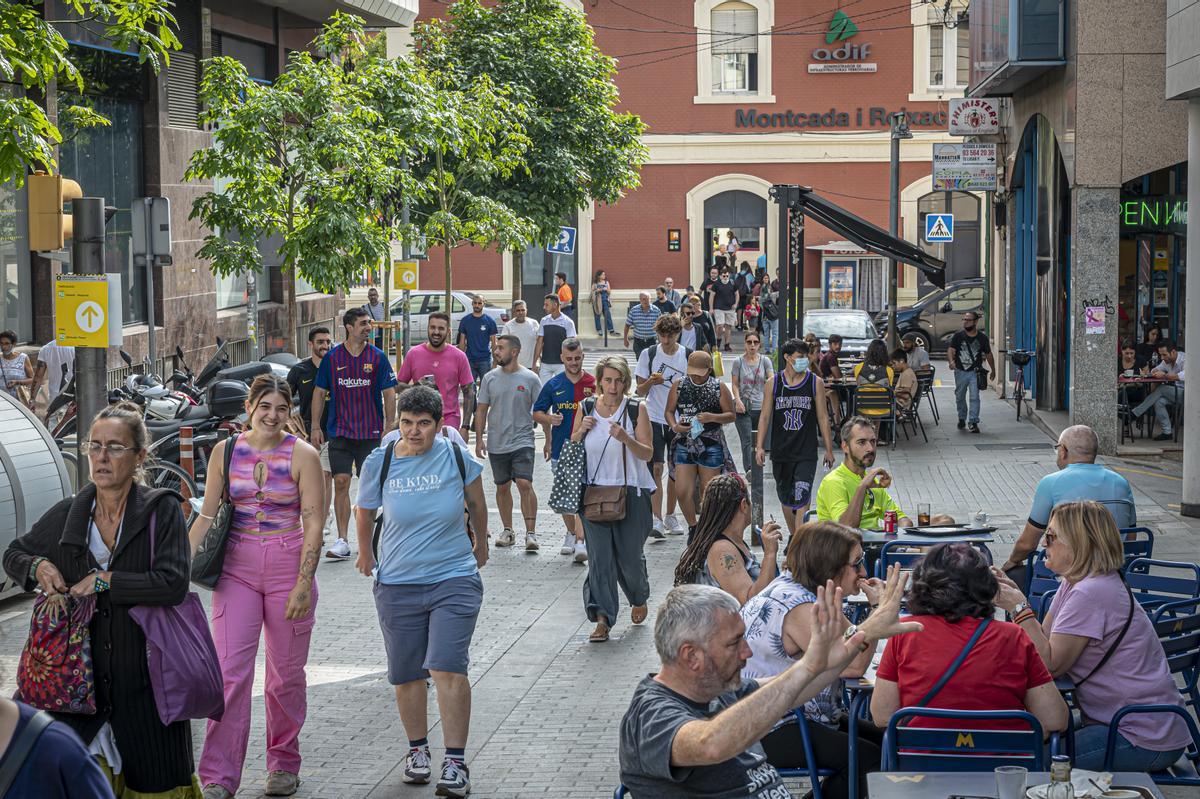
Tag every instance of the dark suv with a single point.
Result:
(938, 316)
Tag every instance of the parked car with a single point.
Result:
(854, 326)
(938, 316)
(423, 303)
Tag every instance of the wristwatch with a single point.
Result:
(1017, 610)
(850, 631)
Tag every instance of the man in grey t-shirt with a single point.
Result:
(506, 397)
(694, 728)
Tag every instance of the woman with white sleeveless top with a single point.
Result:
(615, 430)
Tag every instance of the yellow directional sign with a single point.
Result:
(404, 275)
(81, 310)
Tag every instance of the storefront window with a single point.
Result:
(1153, 254)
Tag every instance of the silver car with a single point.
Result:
(854, 326)
(423, 303)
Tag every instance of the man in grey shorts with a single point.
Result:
(506, 397)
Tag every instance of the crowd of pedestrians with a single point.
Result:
(744, 639)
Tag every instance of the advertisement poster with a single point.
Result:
(1093, 320)
(839, 285)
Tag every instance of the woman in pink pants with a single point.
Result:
(267, 583)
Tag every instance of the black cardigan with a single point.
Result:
(154, 758)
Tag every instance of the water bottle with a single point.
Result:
(1060, 786)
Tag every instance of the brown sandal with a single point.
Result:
(600, 634)
(638, 614)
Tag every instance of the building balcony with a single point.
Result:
(1013, 42)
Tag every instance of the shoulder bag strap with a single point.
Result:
(462, 465)
(231, 443)
(958, 661)
(20, 748)
(377, 532)
(1112, 650)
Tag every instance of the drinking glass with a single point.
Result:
(1010, 782)
(923, 514)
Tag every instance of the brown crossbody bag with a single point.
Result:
(607, 503)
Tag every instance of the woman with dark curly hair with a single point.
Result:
(953, 593)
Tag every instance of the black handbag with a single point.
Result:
(209, 559)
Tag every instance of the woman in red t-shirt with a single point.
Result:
(953, 591)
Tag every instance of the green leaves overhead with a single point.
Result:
(33, 53)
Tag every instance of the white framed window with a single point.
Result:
(733, 51)
(941, 51)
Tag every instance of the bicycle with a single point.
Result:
(1020, 359)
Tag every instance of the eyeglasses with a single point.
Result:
(752, 342)
(95, 448)
(1050, 537)
(861, 563)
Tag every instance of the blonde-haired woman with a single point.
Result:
(615, 430)
(1098, 635)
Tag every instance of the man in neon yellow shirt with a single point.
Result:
(855, 493)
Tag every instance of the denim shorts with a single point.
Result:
(428, 627)
(713, 456)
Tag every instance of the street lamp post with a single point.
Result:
(899, 130)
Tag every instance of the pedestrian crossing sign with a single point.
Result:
(939, 228)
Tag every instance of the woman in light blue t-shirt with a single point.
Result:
(425, 559)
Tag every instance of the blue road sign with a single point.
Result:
(939, 227)
(565, 244)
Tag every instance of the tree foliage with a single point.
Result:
(33, 54)
(544, 56)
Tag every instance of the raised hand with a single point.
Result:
(884, 621)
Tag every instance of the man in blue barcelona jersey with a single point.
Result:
(360, 385)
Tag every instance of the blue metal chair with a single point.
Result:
(1138, 542)
(1178, 627)
(810, 772)
(1155, 582)
(621, 792)
(1122, 511)
(1171, 776)
(888, 555)
(964, 747)
(809, 515)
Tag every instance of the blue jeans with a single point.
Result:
(480, 368)
(966, 383)
(770, 331)
(1160, 398)
(1089, 752)
(607, 320)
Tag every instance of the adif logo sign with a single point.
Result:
(845, 58)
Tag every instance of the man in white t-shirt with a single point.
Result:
(525, 329)
(556, 327)
(50, 361)
(657, 368)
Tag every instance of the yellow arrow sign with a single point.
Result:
(405, 275)
(81, 310)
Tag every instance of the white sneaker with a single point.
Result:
(417, 768)
(674, 526)
(580, 552)
(568, 546)
(506, 538)
(531, 542)
(340, 550)
(657, 530)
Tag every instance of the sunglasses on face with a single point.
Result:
(861, 563)
(1050, 537)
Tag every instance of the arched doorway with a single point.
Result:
(734, 207)
(738, 212)
(1041, 252)
(962, 254)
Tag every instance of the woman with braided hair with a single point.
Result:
(717, 554)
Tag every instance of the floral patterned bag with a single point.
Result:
(55, 670)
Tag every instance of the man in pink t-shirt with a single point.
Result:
(448, 366)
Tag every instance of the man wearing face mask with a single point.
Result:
(792, 413)
(967, 351)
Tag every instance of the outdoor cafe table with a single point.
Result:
(942, 784)
(1124, 383)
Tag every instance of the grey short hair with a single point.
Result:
(1081, 440)
(520, 303)
(571, 343)
(687, 616)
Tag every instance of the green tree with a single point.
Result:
(544, 55)
(34, 54)
(301, 159)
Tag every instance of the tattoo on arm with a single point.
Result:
(729, 562)
(308, 566)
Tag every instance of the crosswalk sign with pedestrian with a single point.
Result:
(939, 227)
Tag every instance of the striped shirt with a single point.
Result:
(642, 320)
(356, 393)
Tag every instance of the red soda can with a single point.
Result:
(889, 521)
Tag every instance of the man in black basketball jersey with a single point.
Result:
(793, 407)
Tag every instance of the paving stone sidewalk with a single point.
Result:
(547, 704)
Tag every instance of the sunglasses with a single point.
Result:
(861, 563)
(1050, 537)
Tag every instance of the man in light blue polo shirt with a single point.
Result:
(1078, 477)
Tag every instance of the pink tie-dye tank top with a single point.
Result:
(266, 500)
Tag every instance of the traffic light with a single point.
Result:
(49, 225)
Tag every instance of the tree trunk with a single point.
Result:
(290, 310)
(449, 284)
(518, 276)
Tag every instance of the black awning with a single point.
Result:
(870, 237)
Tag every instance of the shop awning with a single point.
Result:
(868, 236)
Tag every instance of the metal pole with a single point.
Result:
(783, 269)
(252, 315)
(405, 255)
(152, 340)
(87, 258)
(893, 227)
(1191, 399)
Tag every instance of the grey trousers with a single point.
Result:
(616, 557)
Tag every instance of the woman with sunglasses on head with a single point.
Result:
(778, 627)
(717, 554)
(268, 584)
(97, 543)
(750, 373)
(1097, 634)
